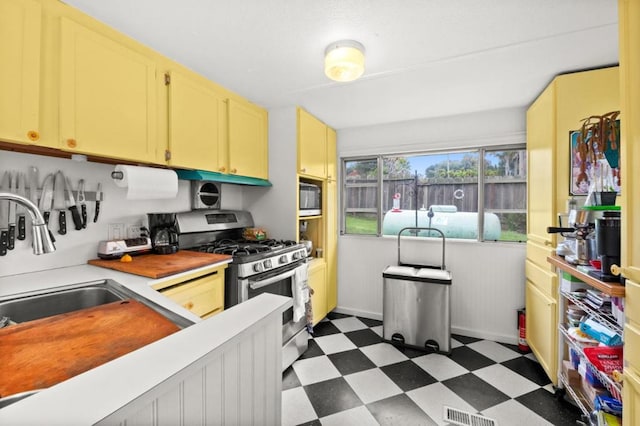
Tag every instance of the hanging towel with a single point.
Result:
(300, 291)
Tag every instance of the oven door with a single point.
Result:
(280, 282)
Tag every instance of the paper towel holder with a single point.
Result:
(117, 175)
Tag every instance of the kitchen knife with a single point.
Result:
(71, 204)
(20, 211)
(46, 201)
(81, 200)
(12, 214)
(98, 199)
(4, 215)
(59, 202)
(33, 185)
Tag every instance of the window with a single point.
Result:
(443, 190)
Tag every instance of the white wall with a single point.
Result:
(76, 247)
(488, 278)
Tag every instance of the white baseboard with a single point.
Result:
(511, 339)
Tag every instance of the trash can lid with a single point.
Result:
(437, 276)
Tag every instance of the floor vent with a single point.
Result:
(462, 418)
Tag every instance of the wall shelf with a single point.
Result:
(610, 288)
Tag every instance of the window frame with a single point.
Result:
(379, 158)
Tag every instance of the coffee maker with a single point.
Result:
(607, 245)
(164, 232)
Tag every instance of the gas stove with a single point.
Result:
(220, 231)
(254, 257)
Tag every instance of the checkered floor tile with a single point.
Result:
(349, 376)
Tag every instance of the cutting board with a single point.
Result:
(38, 354)
(162, 265)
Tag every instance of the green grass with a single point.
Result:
(361, 225)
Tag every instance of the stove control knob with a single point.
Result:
(295, 255)
(267, 264)
(257, 267)
(283, 259)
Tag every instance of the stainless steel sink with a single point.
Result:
(60, 300)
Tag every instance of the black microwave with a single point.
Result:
(309, 200)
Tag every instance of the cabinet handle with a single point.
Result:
(222, 169)
(547, 243)
(303, 170)
(33, 135)
(234, 170)
(188, 305)
(71, 143)
(615, 270)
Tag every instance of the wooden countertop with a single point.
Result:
(162, 265)
(610, 288)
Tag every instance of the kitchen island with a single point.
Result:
(225, 369)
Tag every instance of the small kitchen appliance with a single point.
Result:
(580, 231)
(608, 245)
(309, 199)
(164, 234)
(258, 266)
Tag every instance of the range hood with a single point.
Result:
(221, 177)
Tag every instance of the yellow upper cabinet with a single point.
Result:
(332, 153)
(20, 30)
(312, 145)
(196, 123)
(107, 96)
(248, 148)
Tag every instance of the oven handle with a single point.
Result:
(254, 285)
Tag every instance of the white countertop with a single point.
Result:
(91, 396)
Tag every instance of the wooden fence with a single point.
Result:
(501, 194)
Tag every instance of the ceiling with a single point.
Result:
(424, 58)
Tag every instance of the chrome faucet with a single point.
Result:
(41, 240)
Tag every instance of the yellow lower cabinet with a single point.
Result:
(631, 398)
(203, 296)
(318, 282)
(542, 329)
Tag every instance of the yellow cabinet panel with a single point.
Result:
(631, 397)
(20, 29)
(196, 123)
(107, 96)
(248, 141)
(312, 145)
(629, 27)
(318, 282)
(544, 280)
(330, 215)
(541, 168)
(542, 332)
(632, 345)
(332, 153)
(202, 296)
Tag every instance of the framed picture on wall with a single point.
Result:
(605, 168)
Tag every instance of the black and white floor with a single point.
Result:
(348, 376)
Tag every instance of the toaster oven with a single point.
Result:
(310, 200)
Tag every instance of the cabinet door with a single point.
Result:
(541, 328)
(631, 398)
(20, 28)
(629, 27)
(318, 282)
(248, 141)
(541, 167)
(332, 154)
(203, 296)
(330, 215)
(312, 145)
(107, 96)
(196, 123)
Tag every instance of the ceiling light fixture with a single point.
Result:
(344, 60)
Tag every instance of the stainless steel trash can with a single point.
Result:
(417, 303)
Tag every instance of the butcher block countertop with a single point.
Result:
(162, 265)
(41, 353)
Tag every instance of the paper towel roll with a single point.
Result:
(146, 183)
